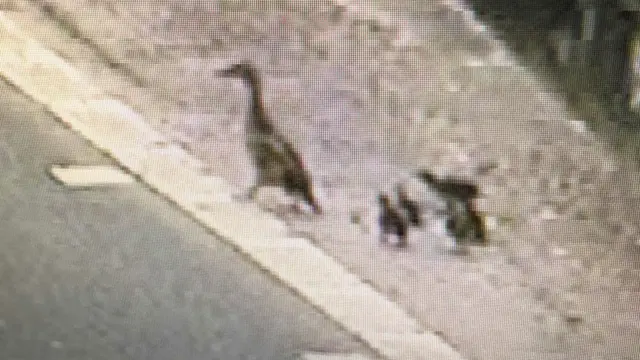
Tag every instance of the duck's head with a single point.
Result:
(245, 71)
(383, 200)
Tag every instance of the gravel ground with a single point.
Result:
(369, 95)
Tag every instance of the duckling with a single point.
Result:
(450, 187)
(478, 226)
(276, 161)
(391, 222)
(457, 223)
(410, 207)
(463, 221)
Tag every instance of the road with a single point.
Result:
(119, 273)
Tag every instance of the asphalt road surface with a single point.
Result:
(119, 273)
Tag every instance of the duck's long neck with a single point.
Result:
(258, 114)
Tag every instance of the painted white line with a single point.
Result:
(324, 356)
(116, 129)
(90, 176)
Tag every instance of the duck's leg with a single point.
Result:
(249, 194)
(311, 200)
(253, 191)
(402, 241)
(297, 183)
(383, 237)
(260, 180)
(298, 208)
(401, 232)
(295, 207)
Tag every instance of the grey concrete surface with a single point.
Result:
(118, 273)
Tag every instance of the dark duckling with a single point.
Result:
(463, 221)
(450, 187)
(410, 207)
(391, 222)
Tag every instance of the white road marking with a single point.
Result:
(325, 356)
(90, 176)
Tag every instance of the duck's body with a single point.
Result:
(463, 221)
(477, 224)
(391, 222)
(457, 223)
(450, 187)
(276, 161)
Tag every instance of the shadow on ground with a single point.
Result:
(525, 26)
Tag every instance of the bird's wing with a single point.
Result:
(287, 150)
(268, 150)
(274, 148)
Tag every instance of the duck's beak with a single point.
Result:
(225, 72)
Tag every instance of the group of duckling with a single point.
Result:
(278, 164)
(462, 220)
(395, 220)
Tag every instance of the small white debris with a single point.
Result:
(491, 222)
(474, 61)
(438, 228)
(56, 344)
(88, 176)
(328, 356)
(578, 126)
(559, 251)
(547, 214)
